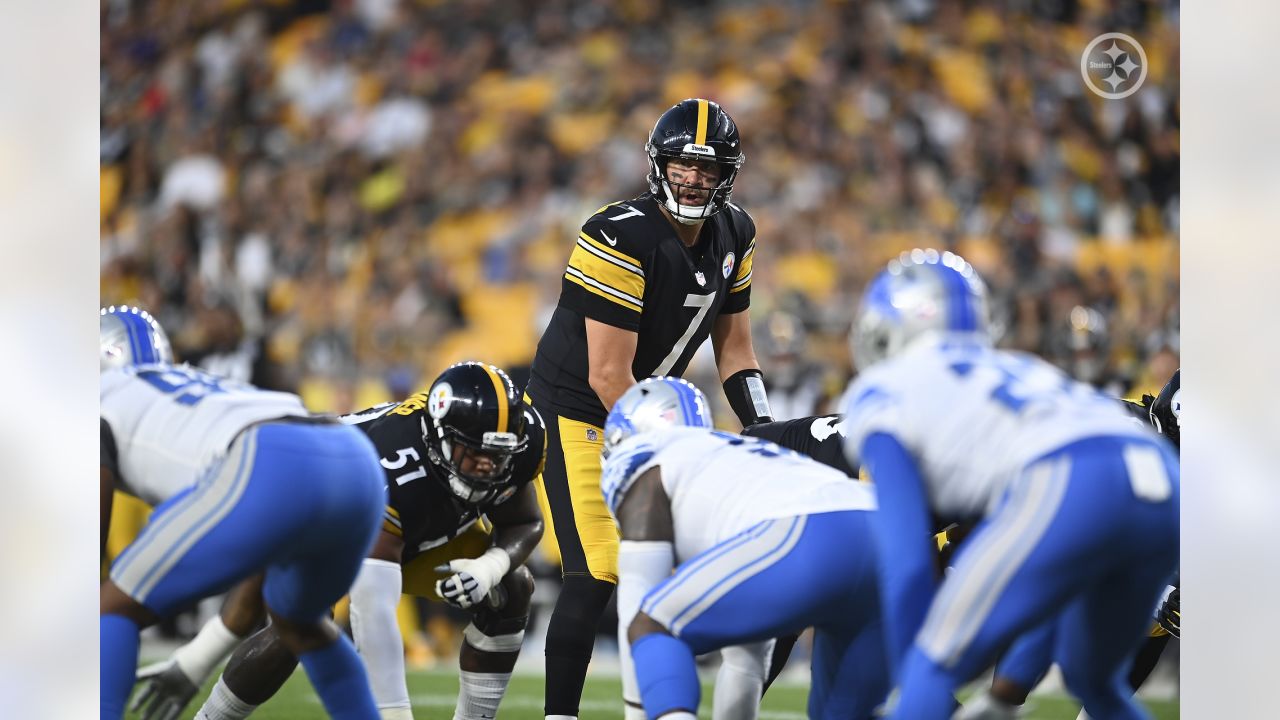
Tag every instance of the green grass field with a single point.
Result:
(433, 695)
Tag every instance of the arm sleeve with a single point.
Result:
(903, 537)
(740, 288)
(604, 280)
(374, 597)
(642, 565)
(110, 456)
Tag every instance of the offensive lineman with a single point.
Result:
(763, 542)
(1077, 505)
(244, 481)
(648, 281)
(465, 448)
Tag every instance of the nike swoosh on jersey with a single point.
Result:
(611, 241)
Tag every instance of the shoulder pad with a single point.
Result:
(620, 239)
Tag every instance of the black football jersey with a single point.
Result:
(420, 507)
(820, 437)
(628, 269)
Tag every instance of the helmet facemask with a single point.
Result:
(477, 470)
(669, 192)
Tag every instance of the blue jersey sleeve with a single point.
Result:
(903, 535)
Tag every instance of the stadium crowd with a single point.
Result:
(344, 200)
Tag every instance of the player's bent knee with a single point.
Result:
(518, 587)
(500, 643)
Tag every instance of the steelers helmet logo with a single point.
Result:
(440, 400)
(727, 267)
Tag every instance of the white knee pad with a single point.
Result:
(497, 643)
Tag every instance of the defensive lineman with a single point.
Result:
(1078, 505)
(464, 449)
(245, 481)
(763, 541)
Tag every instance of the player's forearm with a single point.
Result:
(903, 536)
(609, 385)
(374, 597)
(731, 340)
(641, 567)
(519, 540)
(243, 610)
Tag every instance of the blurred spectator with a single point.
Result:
(383, 187)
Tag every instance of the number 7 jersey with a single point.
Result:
(628, 269)
(973, 417)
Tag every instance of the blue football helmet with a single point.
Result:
(655, 404)
(921, 291)
(130, 336)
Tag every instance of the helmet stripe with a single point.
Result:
(499, 391)
(701, 137)
(139, 342)
(959, 309)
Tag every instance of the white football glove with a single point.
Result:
(471, 580)
(166, 690)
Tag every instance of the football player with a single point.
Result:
(1028, 659)
(1077, 506)
(468, 448)
(244, 481)
(762, 541)
(649, 280)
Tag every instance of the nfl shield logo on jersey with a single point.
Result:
(702, 279)
(727, 267)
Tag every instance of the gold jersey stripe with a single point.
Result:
(742, 280)
(610, 251)
(499, 391)
(571, 277)
(701, 138)
(608, 276)
(393, 512)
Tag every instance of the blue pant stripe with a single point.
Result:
(706, 578)
(969, 594)
(660, 593)
(156, 525)
(744, 572)
(186, 525)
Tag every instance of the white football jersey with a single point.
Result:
(170, 422)
(721, 484)
(973, 417)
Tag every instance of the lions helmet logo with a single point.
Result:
(440, 400)
(727, 267)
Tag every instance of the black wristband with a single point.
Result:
(745, 391)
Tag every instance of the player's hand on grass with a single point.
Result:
(166, 690)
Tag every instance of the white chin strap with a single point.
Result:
(686, 214)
